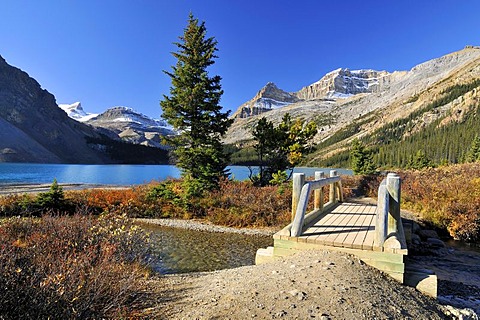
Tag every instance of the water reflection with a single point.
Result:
(181, 251)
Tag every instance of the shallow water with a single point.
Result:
(463, 246)
(179, 250)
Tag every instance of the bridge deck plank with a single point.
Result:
(350, 225)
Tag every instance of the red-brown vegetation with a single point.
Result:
(71, 267)
(448, 197)
(445, 197)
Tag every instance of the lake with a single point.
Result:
(112, 174)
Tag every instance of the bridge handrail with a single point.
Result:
(301, 194)
(389, 231)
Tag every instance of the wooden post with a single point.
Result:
(298, 221)
(333, 192)
(381, 218)
(340, 191)
(319, 192)
(393, 187)
(298, 182)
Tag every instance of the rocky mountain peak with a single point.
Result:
(377, 97)
(343, 83)
(268, 98)
(339, 83)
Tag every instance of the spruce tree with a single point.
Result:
(193, 110)
(473, 153)
(361, 159)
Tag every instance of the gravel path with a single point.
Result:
(309, 285)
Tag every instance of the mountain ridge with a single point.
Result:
(404, 93)
(37, 130)
(132, 126)
(34, 129)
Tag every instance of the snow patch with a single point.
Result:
(76, 112)
(268, 103)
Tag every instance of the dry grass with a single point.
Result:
(71, 267)
(446, 197)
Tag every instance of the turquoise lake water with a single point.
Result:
(24, 173)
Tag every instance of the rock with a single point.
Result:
(461, 314)
(344, 82)
(416, 239)
(425, 234)
(281, 314)
(299, 295)
(415, 227)
(436, 243)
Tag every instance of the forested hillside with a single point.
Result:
(447, 138)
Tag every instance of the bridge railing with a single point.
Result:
(389, 233)
(301, 195)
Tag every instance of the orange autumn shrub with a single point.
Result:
(445, 197)
(71, 267)
(240, 204)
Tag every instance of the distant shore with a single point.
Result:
(20, 188)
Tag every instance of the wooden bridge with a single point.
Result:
(374, 233)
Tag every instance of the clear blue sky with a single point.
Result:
(112, 52)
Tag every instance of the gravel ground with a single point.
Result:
(202, 225)
(308, 285)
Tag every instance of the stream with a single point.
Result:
(178, 250)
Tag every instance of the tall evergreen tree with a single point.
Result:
(419, 161)
(361, 159)
(193, 109)
(473, 154)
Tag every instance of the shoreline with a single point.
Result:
(203, 225)
(21, 188)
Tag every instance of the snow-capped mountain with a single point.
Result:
(76, 112)
(374, 98)
(123, 123)
(133, 126)
(268, 98)
(337, 84)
